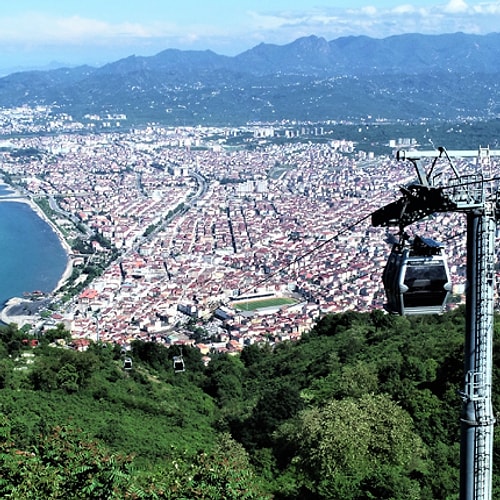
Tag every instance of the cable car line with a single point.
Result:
(469, 183)
(409, 195)
(344, 230)
(463, 233)
(350, 227)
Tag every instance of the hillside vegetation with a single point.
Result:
(364, 406)
(414, 77)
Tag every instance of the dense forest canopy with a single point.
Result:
(366, 405)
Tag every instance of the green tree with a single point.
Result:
(356, 448)
(152, 353)
(11, 339)
(61, 465)
(358, 379)
(6, 367)
(225, 473)
(224, 380)
(59, 332)
(57, 368)
(276, 405)
(67, 378)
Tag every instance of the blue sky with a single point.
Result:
(36, 33)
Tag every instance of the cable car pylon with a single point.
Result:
(479, 201)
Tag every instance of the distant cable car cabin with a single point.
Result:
(416, 278)
(127, 364)
(179, 364)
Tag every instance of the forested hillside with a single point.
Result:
(415, 78)
(364, 406)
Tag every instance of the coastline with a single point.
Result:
(20, 310)
(68, 270)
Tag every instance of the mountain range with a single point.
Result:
(405, 77)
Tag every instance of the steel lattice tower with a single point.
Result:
(478, 199)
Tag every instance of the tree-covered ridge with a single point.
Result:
(410, 77)
(364, 406)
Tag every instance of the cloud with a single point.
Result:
(39, 31)
(456, 7)
(36, 31)
(40, 28)
(378, 22)
(369, 10)
(404, 9)
(274, 26)
(487, 8)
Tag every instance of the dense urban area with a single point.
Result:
(215, 237)
(219, 330)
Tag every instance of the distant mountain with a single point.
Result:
(412, 76)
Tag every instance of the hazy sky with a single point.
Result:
(34, 33)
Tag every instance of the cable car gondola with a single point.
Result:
(416, 278)
(179, 364)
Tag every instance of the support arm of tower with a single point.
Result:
(418, 201)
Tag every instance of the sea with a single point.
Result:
(32, 257)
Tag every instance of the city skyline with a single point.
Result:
(73, 33)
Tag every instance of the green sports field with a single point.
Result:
(252, 305)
